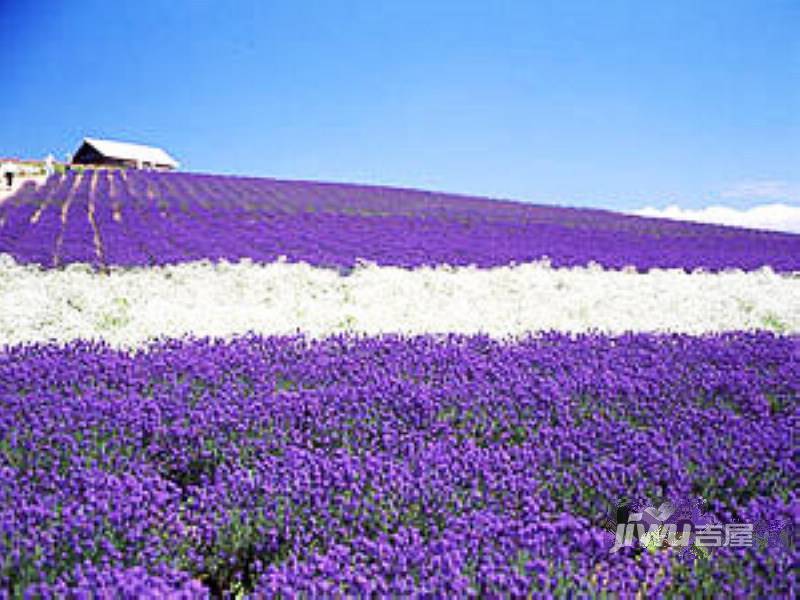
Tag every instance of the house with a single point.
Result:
(109, 153)
(14, 172)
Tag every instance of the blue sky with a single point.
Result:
(614, 104)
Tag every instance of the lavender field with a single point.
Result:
(237, 387)
(136, 218)
(398, 466)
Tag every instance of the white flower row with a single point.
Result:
(128, 307)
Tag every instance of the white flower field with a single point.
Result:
(129, 307)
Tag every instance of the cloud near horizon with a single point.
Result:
(774, 217)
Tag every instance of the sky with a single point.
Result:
(612, 104)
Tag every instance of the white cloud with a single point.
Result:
(780, 191)
(775, 217)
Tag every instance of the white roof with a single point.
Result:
(138, 152)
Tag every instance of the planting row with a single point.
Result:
(128, 307)
(135, 218)
(429, 465)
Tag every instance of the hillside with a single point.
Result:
(108, 218)
(412, 402)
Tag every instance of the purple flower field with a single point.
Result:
(435, 466)
(135, 218)
(389, 466)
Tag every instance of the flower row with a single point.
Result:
(133, 218)
(128, 307)
(396, 466)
